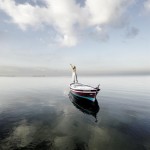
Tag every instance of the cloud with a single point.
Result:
(132, 32)
(67, 17)
(147, 5)
(104, 12)
(99, 34)
(23, 15)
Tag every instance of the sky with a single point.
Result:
(42, 37)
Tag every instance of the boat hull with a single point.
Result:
(90, 96)
(85, 93)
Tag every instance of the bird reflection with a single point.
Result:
(85, 106)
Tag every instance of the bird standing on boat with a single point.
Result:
(74, 74)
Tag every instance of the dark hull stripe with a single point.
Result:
(92, 95)
(84, 97)
(84, 91)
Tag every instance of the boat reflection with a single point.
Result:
(85, 106)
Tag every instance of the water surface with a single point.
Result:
(36, 113)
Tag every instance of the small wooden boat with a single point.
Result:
(84, 91)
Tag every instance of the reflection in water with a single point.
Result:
(35, 114)
(85, 106)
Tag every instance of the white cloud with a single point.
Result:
(67, 17)
(22, 14)
(104, 11)
(69, 40)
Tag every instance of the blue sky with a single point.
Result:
(96, 35)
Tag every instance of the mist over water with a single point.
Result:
(37, 113)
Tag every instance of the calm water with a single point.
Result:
(37, 113)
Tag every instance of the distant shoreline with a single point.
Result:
(125, 75)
